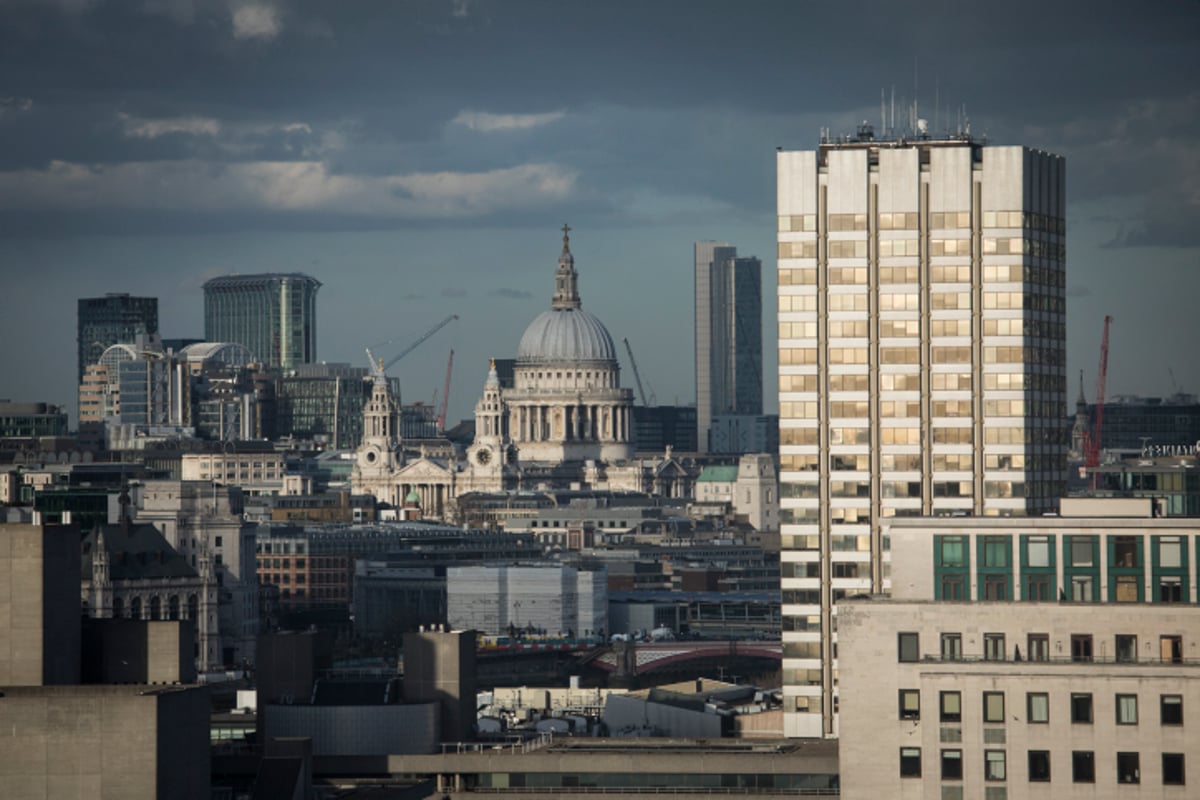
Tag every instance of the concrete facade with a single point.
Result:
(922, 363)
(439, 667)
(105, 742)
(39, 605)
(935, 703)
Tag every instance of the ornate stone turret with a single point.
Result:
(566, 290)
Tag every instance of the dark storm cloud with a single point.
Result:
(658, 110)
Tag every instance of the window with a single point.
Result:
(1037, 550)
(1037, 707)
(1172, 769)
(993, 647)
(1170, 589)
(1170, 552)
(1171, 648)
(1083, 589)
(1081, 708)
(1171, 709)
(910, 762)
(1126, 647)
(909, 646)
(1128, 770)
(1039, 765)
(1083, 766)
(1082, 551)
(953, 551)
(993, 707)
(910, 704)
(1125, 552)
(1039, 646)
(995, 551)
(995, 587)
(994, 764)
(953, 588)
(952, 647)
(1037, 587)
(950, 706)
(952, 765)
(1081, 647)
(1127, 709)
(1127, 588)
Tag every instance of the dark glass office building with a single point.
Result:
(112, 319)
(273, 315)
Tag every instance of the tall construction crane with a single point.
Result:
(637, 376)
(441, 418)
(1091, 448)
(382, 367)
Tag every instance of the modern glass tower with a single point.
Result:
(728, 336)
(273, 315)
(112, 319)
(922, 364)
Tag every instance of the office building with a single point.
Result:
(109, 320)
(324, 403)
(31, 420)
(728, 336)
(922, 359)
(1046, 657)
(273, 315)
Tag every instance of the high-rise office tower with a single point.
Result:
(922, 365)
(273, 315)
(112, 319)
(728, 336)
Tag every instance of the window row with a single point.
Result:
(1083, 766)
(1082, 646)
(1037, 707)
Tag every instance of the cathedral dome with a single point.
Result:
(566, 334)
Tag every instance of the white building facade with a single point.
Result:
(547, 600)
(921, 364)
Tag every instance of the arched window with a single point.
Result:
(156, 607)
(173, 607)
(193, 607)
(118, 607)
(135, 608)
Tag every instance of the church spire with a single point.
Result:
(566, 292)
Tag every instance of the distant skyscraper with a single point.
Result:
(112, 319)
(273, 315)
(728, 336)
(922, 365)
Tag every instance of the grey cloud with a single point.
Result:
(454, 291)
(509, 293)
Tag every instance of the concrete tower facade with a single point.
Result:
(922, 364)
(728, 335)
(273, 315)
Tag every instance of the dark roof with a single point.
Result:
(135, 551)
(277, 778)
(359, 692)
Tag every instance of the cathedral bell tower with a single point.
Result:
(487, 454)
(379, 454)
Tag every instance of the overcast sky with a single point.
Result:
(418, 158)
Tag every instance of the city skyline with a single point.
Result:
(418, 162)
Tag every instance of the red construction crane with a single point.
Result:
(1092, 443)
(441, 419)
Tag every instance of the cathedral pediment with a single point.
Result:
(422, 469)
